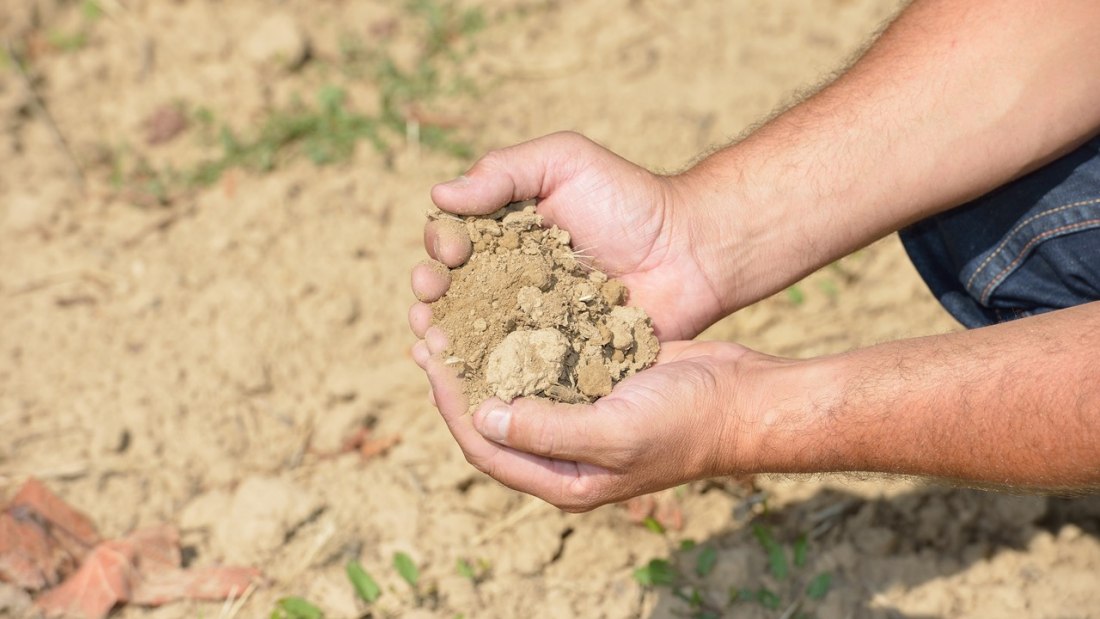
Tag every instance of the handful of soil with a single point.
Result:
(525, 317)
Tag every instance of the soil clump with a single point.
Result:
(526, 317)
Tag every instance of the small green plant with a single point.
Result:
(777, 555)
(829, 288)
(330, 130)
(67, 41)
(656, 573)
(705, 562)
(475, 573)
(791, 588)
(296, 608)
(407, 569)
(654, 525)
(91, 10)
(795, 295)
(365, 586)
(325, 134)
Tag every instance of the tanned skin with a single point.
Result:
(953, 100)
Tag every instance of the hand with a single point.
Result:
(672, 423)
(636, 226)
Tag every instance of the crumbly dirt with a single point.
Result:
(203, 363)
(526, 316)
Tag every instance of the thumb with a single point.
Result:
(529, 170)
(574, 432)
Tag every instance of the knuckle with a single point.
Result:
(579, 496)
(493, 159)
(546, 439)
(572, 138)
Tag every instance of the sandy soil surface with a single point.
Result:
(197, 354)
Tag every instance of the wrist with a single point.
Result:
(744, 234)
(782, 417)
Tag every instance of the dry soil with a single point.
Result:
(200, 362)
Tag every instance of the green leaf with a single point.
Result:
(404, 565)
(365, 586)
(777, 557)
(651, 523)
(465, 570)
(691, 595)
(819, 586)
(767, 598)
(800, 546)
(91, 10)
(704, 564)
(296, 608)
(687, 545)
(795, 295)
(829, 287)
(741, 595)
(658, 572)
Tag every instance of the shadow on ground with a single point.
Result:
(875, 557)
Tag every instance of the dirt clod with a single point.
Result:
(524, 317)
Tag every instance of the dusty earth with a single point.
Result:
(198, 354)
(528, 316)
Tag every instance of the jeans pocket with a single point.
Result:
(1047, 261)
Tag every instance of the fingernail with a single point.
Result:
(460, 181)
(494, 425)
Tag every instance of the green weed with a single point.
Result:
(795, 295)
(329, 130)
(326, 133)
(793, 588)
(475, 573)
(365, 586)
(407, 569)
(296, 608)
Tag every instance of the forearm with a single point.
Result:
(1016, 404)
(955, 99)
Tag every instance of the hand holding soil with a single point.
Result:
(525, 308)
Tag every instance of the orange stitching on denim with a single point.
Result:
(1008, 237)
(1023, 252)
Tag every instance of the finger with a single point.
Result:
(436, 340)
(420, 318)
(431, 398)
(421, 354)
(521, 172)
(579, 433)
(566, 484)
(430, 280)
(447, 241)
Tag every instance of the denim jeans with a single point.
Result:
(1025, 248)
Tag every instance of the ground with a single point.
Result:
(193, 322)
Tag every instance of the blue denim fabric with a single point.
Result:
(1028, 247)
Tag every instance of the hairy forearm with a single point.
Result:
(953, 100)
(1015, 405)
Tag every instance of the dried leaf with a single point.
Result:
(377, 446)
(101, 582)
(142, 568)
(42, 539)
(210, 583)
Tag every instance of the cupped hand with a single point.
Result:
(672, 423)
(635, 225)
